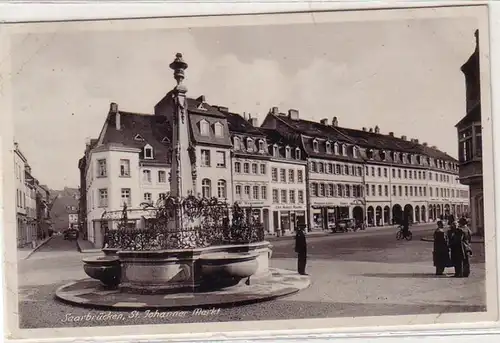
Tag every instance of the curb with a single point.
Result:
(429, 239)
(38, 247)
(85, 251)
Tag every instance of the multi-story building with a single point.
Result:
(287, 183)
(30, 226)
(250, 163)
(370, 176)
(470, 141)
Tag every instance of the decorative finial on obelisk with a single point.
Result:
(179, 66)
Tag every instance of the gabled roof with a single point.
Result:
(194, 106)
(237, 123)
(314, 129)
(150, 127)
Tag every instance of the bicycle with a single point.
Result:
(401, 235)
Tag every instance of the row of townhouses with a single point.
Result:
(32, 203)
(287, 170)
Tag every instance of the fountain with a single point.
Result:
(193, 252)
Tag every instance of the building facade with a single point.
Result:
(470, 141)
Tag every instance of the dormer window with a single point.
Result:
(355, 152)
(237, 143)
(344, 150)
(288, 152)
(139, 138)
(315, 146)
(261, 145)
(336, 148)
(404, 158)
(250, 145)
(383, 155)
(369, 153)
(219, 130)
(148, 152)
(410, 158)
(297, 153)
(328, 148)
(204, 128)
(275, 151)
(165, 140)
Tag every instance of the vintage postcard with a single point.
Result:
(324, 170)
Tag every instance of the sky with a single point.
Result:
(402, 75)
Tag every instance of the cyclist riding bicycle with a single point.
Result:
(405, 226)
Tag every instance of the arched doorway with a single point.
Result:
(447, 211)
(408, 213)
(397, 214)
(378, 216)
(423, 213)
(387, 215)
(370, 215)
(417, 214)
(438, 211)
(357, 214)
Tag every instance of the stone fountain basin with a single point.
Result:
(228, 265)
(106, 269)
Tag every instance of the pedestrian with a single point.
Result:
(301, 250)
(459, 241)
(466, 245)
(441, 252)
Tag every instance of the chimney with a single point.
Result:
(424, 144)
(335, 122)
(377, 129)
(201, 99)
(245, 116)
(404, 138)
(416, 140)
(476, 34)
(391, 134)
(275, 110)
(324, 121)
(223, 108)
(371, 130)
(253, 121)
(364, 129)
(293, 114)
(113, 109)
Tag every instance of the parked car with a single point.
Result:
(71, 234)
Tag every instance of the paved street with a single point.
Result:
(352, 274)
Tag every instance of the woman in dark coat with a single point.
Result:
(460, 239)
(441, 252)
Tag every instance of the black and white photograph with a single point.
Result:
(269, 169)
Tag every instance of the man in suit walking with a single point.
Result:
(301, 250)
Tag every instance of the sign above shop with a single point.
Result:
(289, 207)
(251, 203)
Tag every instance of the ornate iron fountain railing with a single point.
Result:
(186, 223)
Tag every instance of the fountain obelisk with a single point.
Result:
(181, 176)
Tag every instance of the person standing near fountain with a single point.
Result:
(301, 250)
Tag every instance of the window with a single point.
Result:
(411, 191)
(297, 153)
(300, 176)
(340, 190)
(360, 171)
(367, 190)
(221, 189)
(204, 128)
(246, 191)
(221, 159)
(148, 152)
(148, 197)
(291, 196)
(291, 175)
(406, 174)
(425, 191)
(236, 143)
(288, 153)
(103, 197)
(394, 190)
(255, 168)
(261, 145)
(124, 167)
(373, 171)
(101, 168)
(430, 176)
(315, 146)
(246, 168)
(125, 196)
(321, 190)
(238, 190)
(263, 169)
(355, 153)
(336, 148)
(338, 169)
(379, 190)
(162, 176)
(379, 172)
(250, 145)
(274, 174)
(344, 150)
(393, 173)
(300, 197)
(346, 170)
(275, 196)
(206, 188)
(313, 167)
(385, 172)
(411, 177)
(263, 191)
(283, 196)
(146, 175)
(255, 192)
(400, 191)
(282, 175)
(275, 151)
(205, 158)
(314, 189)
(218, 130)
(386, 190)
(237, 167)
(406, 191)
(399, 173)
(328, 148)
(162, 196)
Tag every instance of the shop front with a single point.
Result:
(287, 218)
(259, 210)
(324, 216)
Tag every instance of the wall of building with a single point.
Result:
(213, 173)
